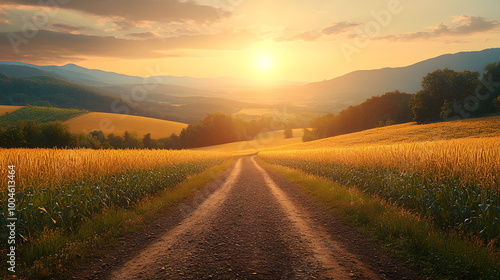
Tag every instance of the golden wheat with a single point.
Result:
(473, 160)
(52, 167)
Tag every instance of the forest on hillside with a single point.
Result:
(446, 95)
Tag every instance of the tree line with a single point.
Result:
(214, 129)
(446, 95)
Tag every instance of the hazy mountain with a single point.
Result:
(321, 97)
(20, 71)
(47, 90)
(157, 93)
(72, 73)
(99, 75)
(355, 87)
(86, 76)
(51, 91)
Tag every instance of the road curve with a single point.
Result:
(253, 225)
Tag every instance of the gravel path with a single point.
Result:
(252, 224)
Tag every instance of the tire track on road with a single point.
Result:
(192, 224)
(322, 246)
(254, 225)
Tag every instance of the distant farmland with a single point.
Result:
(38, 114)
(4, 109)
(118, 124)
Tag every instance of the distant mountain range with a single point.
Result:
(44, 90)
(320, 97)
(95, 77)
(355, 87)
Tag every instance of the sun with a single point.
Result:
(264, 62)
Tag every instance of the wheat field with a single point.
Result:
(409, 133)
(5, 109)
(53, 167)
(474, 160)
(456, 183)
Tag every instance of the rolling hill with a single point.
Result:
(47, 90)
(80, 121)
(38, 114)
(51, 91)
(5, 109)
(264, 140)
(118, 124)
(408, 133)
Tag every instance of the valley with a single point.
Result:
(166, 177)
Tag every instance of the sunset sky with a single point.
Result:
(264, 40)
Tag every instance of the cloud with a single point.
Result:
(306, 36)
(145, 35)
(50, 46)
(472, 24)
(144, 10)
(310, 36)
(66, 27)
(339, 27)
(462, 25)
(124, 24)
(4, 21)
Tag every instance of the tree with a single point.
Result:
(33, 134)
(131, 141)
(171, 143)
(443, 86)
(490, 89)
(375, 111)
(308, 136)
(83, 140)
(288, 133)
(147, 142)
(57, 134)
(115, 141)
(98, 134)
(492, 72)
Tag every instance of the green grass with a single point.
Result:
(416, 241)
(54, 249)
(39, 114)
(448, 202)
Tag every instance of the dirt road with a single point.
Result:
(252, 224)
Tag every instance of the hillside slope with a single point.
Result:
(408, 133)
(5, 109)
(39, 114)
(263, 140)
(47, 90)
(118, 124)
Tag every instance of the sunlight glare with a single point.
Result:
(264, 62)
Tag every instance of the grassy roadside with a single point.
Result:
(437, 254)
(54, 250)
